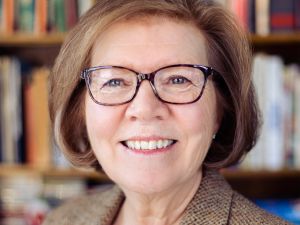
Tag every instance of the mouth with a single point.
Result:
(151, 145)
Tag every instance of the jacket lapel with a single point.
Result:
(211, 204)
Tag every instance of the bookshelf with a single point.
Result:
(41, 50)
(32, 48)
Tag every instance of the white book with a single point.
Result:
(255, 158)
(11, 123)
(262, 21)
(297, 122)
(291, 73)
(273, 115)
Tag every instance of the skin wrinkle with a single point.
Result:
(157, 187)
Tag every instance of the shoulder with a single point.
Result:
(93, 207)
(246, 212)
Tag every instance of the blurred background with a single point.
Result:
(35, 177)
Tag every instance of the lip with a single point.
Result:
(148, 138)
(151, 152)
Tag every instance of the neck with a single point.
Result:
(162, 208)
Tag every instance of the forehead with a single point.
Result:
(152, 42)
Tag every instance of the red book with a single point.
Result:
(282, 15)
(8, 16)
(297, 15)
(71, 13)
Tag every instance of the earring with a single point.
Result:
(214, 136)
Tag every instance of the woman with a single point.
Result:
(158, 95)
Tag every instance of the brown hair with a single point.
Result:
(228, 52)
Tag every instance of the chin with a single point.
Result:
(147, 183)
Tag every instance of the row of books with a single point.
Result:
(263, 17)
(278, 90)
(40, 16)
(27, 198)
(25, 135)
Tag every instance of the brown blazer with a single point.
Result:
(214, 203)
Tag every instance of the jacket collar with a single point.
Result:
(210, 205)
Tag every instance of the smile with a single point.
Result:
(149, 145)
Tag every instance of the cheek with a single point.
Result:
(102, 123)
(201, 117)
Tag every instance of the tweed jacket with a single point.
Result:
(214, 203)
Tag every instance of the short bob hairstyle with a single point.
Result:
(227, 50)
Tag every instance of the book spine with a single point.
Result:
(71, 13)
(36, 119)
(282, 15)
(60, 17)
(240, 10)
(40, 17)
(297, 15)
(1, 111)
(26, 16)
(297, 122)
(251, 16)
(8, 16)
(262, 17)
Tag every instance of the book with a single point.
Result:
(26, 15)
(7, 16)
(274, 114)
(297, 15)
(240, 9)
(291, 73)
(288, 209)
(71, 13)
(1, 17)
(277, 88)
(297, 122)
(11, 112)
(251, 16)
(60, 17)
(40, 16)
(37, 122)
(281, 15)
(255, 158)
(262, 13)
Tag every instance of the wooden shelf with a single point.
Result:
(261, 174)
(7, 170)
(265, 184)
(15, 170)
(284, 38)
(23, 40)
(253, 184)
(57, 39)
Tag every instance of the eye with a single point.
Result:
(114, 83)
(178, 80)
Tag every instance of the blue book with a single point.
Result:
(288, 209)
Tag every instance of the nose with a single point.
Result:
(146, 106)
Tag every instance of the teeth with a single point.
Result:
(148, 145)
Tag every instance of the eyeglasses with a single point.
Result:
(175, 84)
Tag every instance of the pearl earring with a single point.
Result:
(214, 136)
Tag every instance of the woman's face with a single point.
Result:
(146, 46)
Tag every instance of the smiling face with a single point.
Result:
(175, 138)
